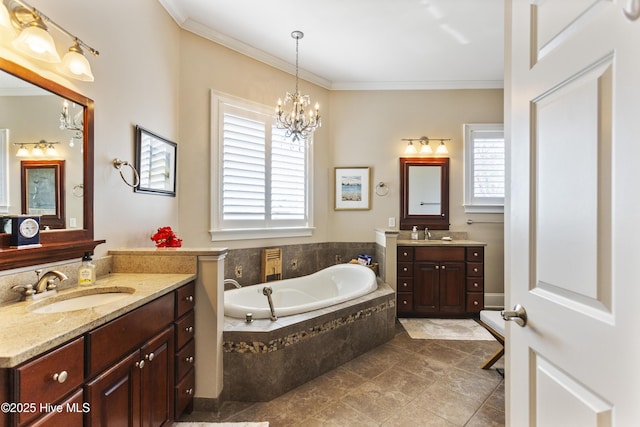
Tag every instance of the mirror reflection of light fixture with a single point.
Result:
(425, 147)
(35, 41)
(296, 122)
(74, 124)
(40, 149)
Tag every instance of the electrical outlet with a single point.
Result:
(392, 221)
(294, 264)
(238, 271)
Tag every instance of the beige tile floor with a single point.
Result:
(404, 382)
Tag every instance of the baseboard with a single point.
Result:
(206, 404)
(494, 301)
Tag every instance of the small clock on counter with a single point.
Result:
(24, 229)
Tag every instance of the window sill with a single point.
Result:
(268, 233)
(483, 208)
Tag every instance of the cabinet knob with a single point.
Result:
(404, 301)
(475, 254)
(444, 267)
(140, 364)
(189, 329)
(189, 391)
(60, 377)
(405, 269)
(475, 269)
(475, 303)
(405, 285)
(405, 254)
(150, 356)
(475, 284)
(437, 267)
(189, 359)
(189, 298)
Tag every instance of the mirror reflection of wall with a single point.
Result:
(424, 197)
(29, 115)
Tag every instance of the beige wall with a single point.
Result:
(154, 74)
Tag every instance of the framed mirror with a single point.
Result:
(33, 110)
(424, 193)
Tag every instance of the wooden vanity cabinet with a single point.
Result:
(185, 349)
(439, 281)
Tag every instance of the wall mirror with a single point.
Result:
(32, 116)
(424, 193)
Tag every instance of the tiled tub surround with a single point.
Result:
(265, 359)
(308, 258)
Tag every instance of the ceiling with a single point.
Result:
(361, 44)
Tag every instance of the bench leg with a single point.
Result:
(493, 359)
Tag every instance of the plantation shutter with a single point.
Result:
(489, 165)
(288, 172)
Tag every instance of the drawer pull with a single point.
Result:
(150, 356)
(189, 329)
(404, 301)
(61, 377)
(189, 391)
(189, 298)
(404, 284)
(475, 254)
(140, 364)
(405, 254)
(189, 359)
(444, 267)
(475, 270)
(405, 269)
(437, 267)
(475, 285)
(475, 303)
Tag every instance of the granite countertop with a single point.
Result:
(25, 334)
(440, 242)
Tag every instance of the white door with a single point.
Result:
(572, 91)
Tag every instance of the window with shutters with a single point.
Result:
(260, 186)
(4, 171)
(484, 149)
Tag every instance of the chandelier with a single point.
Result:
(297, 123)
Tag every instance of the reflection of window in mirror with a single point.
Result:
(4, 171)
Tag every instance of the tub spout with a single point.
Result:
(267, 291)
(232, 282)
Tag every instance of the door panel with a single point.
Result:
(572, 99)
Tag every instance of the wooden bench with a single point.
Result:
(494, 323)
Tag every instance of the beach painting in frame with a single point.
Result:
(352, 188)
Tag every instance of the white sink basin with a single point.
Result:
(81, 300)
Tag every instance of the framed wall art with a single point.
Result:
(42, 183)
(352, 188)
(156, 159)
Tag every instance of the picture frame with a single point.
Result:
(352, 189)
(156, 160)
(42, 191)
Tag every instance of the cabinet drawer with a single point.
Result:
(405, 253)
(405, 284)
(184, 392)
(405, 303)
(475, 302)
(475, 254)
(475, 284)
(439, 254)
(475, 269)
(50, 377)
(71, 415)
(185, 359)
(185, 299)
(185, 329)
(405, 269)
(108, 343)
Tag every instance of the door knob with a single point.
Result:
(518, 315)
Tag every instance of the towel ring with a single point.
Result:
(78, 190)
(117, 163)
(382, 189)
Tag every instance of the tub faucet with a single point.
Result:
(232, 282)
(267, 291)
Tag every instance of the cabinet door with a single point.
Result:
(426, 292)
(157, 380)
(452, 287)
(114, 396)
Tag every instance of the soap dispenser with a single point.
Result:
(87, 271)
(414, 233)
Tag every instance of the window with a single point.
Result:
(260, 186)
(484, 149)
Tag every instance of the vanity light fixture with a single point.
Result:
(40, 149)
(5, 20)
(298, 124)
(425, 147)
(35, 41)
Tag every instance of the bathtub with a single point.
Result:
(333, 285)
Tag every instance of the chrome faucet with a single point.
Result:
(267, 291)
(232, 282)
(44, 284)
(427, 234)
